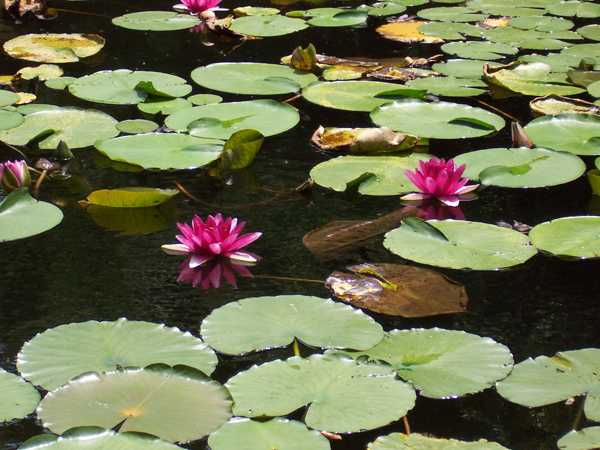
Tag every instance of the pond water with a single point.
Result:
(81, 271)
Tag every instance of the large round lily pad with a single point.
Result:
(174, 403)
(370, 175)
(252, 78)
(156, 21)
(124, 87)
(357, 95)
(77, 127)
(220, 121)
(479, 50)
(443, 363)
(342, 393)
(400, 441)
(162, 151)
(54, 48)
(267, 322)
(459, 244)
(266, 26)
(18, 398)
(575, 133)
(10, 119)
(521, 167)
(442, 120)
(22, 216)
(545, 380)
(59, 354)
(576, 237)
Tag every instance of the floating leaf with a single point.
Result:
(252, 78)
(43, 72)
(590, 32)
(580, 10)
(479, 50)
(557, 61)
(8, 98)
(135, 220)
(575, 237)
(468, 245)
(451, 14)
(10, 119)
(407, 291)
(77, 127)
(175, 403)
(449, 86)
(156, 21)
(542, 23)
(341, 393)
(266, 322)
(133, 197)
(530, 39)
(35, 107)
(545, 380)
(54, 48)
(240, 150)
(359, 141)
(204, 99)
(552, 105)
(60, 82)
(575, 133)
(386, 8)
(278, 433)
(331, 17)
(18, 398)
(58, 354)
(521, 167)
(22, 216)
(163, 105)
(584, 439)
(443, 363)
(442, 120)
(267, 26)
(137, 126)
(162, 151)
(450, 31)
(407, 31)
(255, 11)
(399, 441)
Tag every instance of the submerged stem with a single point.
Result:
(406, 426)
(296, 348)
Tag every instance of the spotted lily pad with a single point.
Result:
(54, 48)
(156, 21)
(575, 237)
(42, 72)
(18, 398)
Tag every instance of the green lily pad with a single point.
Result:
(479, 50)
(135, 220)
(252, 78)
(35, 107)
(58, 354)
(133, 197)
(267, 26)
(557, 61)
(450, 31)
(124, 87)
(161, 151)
(10, 119)
(463, 68)
(386, 8)
(341, 393)
(581, 10)
(277, 433)
(59, 83)
(541, 23)
(220, 121)
(451, 14)
(357, 95)
(77, 127)
(96, 438)
(575, 237)
(240, 150)
(584, 439)
(137, 126)
(521, 167)
(594, 89)
(266, 322)
(163, 105)
(204, 99)
(22, 216)
(399, 441)
(255, 11)
(54, 48)
(459, 244)
(8, 98)
(443, 363)
(18, 398)
(591, 32)
(441, 120)
(331, 17)
(174, 403)
(543, 380)
(370, 175)
(530, 39)
(42, 72)
(449, 86)
(575, 133)
(156, 21)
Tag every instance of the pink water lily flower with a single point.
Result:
(199, 6)
(439, 179)
(213, 238)
(14, 175)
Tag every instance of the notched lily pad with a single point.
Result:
(54, 48)
(399, 290)
(360, 141)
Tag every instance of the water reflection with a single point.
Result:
(432, 208)
(214, 273)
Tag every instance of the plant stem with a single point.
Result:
(296, 348)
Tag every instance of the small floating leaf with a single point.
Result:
(137, 126)
(577, 237)
(156, 21)
(54, 48)
(18, 398)
(584, 439)
(133, 197)
(267, 26)
(575, 133)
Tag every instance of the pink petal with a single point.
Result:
(465, 189)
(176, 249)
(199, 258)
(244, 240)
(415, 196)
(242, 256)
(450, 200)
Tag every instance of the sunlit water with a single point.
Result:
(80, 271)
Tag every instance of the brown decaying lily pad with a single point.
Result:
(419, 292)
(360, 141)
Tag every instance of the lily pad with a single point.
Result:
(220, 121)
(553, 104)
(332, 17)
(340, 392)
(451, 14)
(443, 363)
(479, 50)
(42, 72)
(22, 216)
(399, 441)
(521, 167)
(266, 322)
(35, 107)
(449, 86)
(575, 133)
(357, 95)
(59, 83)
(450, 31)
(463, 68)
(459, 244)
(162, 151)
(407, 31)
(137, 126)
(8, 98)
(135, 220)
(557, 61)
(10, 119)
(575, 237)
(362, 141)
(124, 87)
(77, 127)
(54, 48)
(163, 105)
(591, 32)
(386, 8)
(133, 197)
(277, 433)
(545, 380)
(582, 10)
(542, 23)
(204, 99)
(441, 120)
(267, 26)
(156, 21)
(174, 403)
(18, 398)
(531, 39)
(58, 354)
(370, 175)
(252, 78)
(584, 439)
(255, 11)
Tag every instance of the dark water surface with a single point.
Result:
(80, 271)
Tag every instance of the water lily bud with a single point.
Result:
(63, 152)
(14, 175)
(519, 137)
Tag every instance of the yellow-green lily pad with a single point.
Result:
(54, 48)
